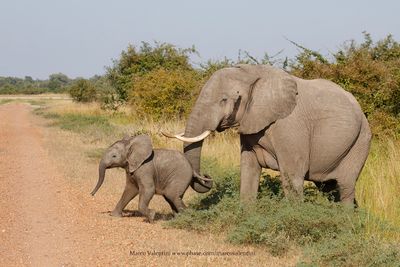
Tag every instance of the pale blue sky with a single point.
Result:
(79, 38)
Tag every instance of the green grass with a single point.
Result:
(120, 118)
(328, 233)
(37, 102)
(351, 250)
(5, 101)
(79, 123)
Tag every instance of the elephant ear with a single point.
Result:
(272, 96)
(140, 149)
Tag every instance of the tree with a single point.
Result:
(58, 82)
(29, 79)
(135, 62)
(82, 90)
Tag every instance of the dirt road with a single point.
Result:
(48, 217)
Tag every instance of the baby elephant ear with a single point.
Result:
(140, 149)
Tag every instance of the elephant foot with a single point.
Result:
(115, 213)
(151, 215)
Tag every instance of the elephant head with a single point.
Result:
(248, 96)
(128, 153)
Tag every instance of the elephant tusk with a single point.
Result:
(171, 135)
(188, 139)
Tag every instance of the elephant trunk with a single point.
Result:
(102, 173)
(193, 151)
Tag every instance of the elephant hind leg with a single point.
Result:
(350, 167)
(176, 203)
(171, 204)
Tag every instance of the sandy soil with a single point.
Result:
(48, 217)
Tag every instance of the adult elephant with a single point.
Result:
(306, 129)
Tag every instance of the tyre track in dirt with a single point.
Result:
(48, 217)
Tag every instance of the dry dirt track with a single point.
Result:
(48, 220)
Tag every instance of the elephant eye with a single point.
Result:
(223, 101)
(114, 156)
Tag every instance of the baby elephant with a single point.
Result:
(148, 172)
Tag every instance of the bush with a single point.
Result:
(82, 90)
(8, 90)
(136, 62)
(164, 93)
(328, 233)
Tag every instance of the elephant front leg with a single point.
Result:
(292, 185)
(146, 193)
(250, 171)
(131, 190)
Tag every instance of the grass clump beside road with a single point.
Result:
(93, 125)
(329, 234)
(81, 123)
(5, 101)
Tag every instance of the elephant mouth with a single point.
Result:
(230, 120)
(226, 124)
(222, 128)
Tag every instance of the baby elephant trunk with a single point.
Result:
(201, 184)
(102, 173)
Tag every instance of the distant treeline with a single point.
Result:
(56, 83)
(160, 81)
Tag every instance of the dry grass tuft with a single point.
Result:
(378, 187)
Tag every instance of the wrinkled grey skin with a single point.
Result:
(306, 129)
(148, 172)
